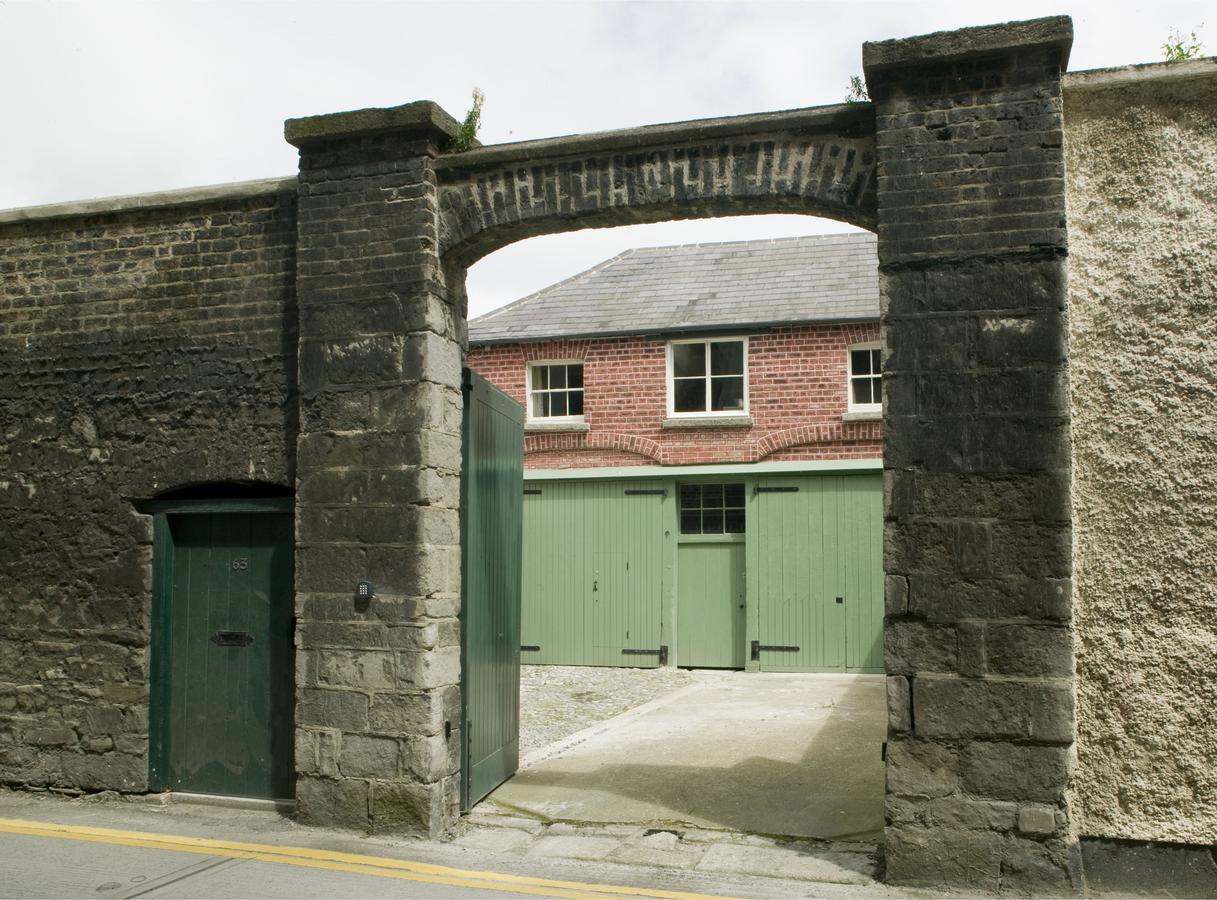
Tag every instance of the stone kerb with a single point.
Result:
(977, 549)
(377, 737)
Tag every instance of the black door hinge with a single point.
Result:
(662, 653)
(757, 647)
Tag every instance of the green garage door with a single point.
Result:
(815, 573)
(593, 573)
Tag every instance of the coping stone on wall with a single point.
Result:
(422, 118)
(944, 46)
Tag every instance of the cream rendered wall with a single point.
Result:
(1141, 155)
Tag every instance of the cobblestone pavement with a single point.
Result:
(557, 701)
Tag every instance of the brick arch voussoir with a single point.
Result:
(821, 433)
(487, 202)
(628, 443)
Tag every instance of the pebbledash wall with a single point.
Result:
(307, 335)
(1141, 150)
(797, 395)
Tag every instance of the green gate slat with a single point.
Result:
(815, 544)
(593, 574)
(492, 512)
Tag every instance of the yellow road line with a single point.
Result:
(337, 861)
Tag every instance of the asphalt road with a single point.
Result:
(48, 859)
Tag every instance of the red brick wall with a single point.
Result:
(797, 394)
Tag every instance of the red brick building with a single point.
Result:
(668, 393)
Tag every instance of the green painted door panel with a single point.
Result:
(818, 572)
(710, 606)
(491, 526)
(223, 657)
(593, 574)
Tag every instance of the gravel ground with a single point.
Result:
(557, 701)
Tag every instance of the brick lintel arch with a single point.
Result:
(817, 161)
(627, 443)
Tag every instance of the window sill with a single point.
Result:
(870, 415)
(708, 422)
(551, 427)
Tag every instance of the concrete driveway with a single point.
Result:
(765, 753)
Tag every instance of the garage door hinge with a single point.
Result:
(533, 648)
(662, 653)
(780, 489)
(532, 490)
(757, 647)
(646, 492)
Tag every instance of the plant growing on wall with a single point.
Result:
(466, 135)
(1178, 48)
(857, 90)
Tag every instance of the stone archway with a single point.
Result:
(958, 164)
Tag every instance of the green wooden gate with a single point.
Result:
(815, 573)
(491, 508)
(594, 573)
(221, 717)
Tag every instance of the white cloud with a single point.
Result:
(125, 97)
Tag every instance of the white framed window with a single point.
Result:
(865, 378)
(555, 390)
(708, 377)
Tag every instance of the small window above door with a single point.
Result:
(712, 509)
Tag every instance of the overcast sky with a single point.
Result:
(104, 98)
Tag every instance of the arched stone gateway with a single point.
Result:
(958, 164)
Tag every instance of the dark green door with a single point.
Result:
(492, 482)
(223, 669)
(710, 605)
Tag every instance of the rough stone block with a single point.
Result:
(1014, 772)
(1029, 650)
(358, 669)
(941, 857)
(1036, 818)
(915, 647)
(372, 757)
(965, 813)
(403, 806)
(323, 708)
(342, 803)
(957, 708)
(899, 704)
(110, 771)
(921, 769)
(1040, 868)
(895, 595)
(403, 714)
(429, 668)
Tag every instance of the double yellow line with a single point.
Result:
(355, 863)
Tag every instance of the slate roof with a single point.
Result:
(700, 287)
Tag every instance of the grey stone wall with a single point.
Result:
(1141, 147)
(140, 350)
(377, 686)
(977, 543)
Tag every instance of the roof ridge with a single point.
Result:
(515, 304)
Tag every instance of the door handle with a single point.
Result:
(232, 638)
